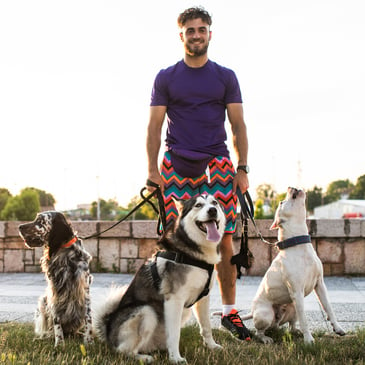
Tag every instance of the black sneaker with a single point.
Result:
(234, 324)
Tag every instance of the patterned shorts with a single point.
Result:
(219, 184)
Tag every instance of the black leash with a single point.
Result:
(161, 226)
(244, 258)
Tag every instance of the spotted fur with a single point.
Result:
(65, 308)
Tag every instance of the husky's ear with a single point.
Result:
(179, 203)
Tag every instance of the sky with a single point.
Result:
(76, 79)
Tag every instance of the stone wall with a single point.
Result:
(340, 244)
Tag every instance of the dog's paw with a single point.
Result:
(178, 360)
(214, 346)
(338, 330)
(308, 339)
(146, 359)
(266, 339)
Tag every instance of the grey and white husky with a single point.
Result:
(149, 313)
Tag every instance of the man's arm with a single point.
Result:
(153, 143)
(240, 144)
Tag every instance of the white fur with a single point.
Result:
(294, 273)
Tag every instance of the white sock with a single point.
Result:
(227, 308)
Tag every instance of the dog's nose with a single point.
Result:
(212, 212)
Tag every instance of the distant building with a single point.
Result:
(344, 208)
(82, 212)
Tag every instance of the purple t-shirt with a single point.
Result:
(196, 100)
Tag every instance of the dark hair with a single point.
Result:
(194, 13)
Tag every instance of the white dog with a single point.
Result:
(294, 273)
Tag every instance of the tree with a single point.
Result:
(4, 197)
(268, 197)
(23, 207)
(314, 198)
(259, 209)
(359, 190)
(108, 209)
(337, 189)
(45, 199)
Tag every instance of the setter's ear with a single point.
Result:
(61, 232)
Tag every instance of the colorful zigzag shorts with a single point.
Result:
(217, 182)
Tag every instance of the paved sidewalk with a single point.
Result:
(19, 294)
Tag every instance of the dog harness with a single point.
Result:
(181, 258)
(293, 241)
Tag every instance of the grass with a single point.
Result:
(17, 346)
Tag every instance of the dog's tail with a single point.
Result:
(103, 310)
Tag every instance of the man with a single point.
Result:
(195, 94)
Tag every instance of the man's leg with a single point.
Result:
(227, 275)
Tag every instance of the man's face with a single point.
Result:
(195, 35)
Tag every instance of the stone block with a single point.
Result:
(84, 228)
(3, 229)
(337, 228)
(32, 268)
(130, 266)
(1, 265)
(14, 243)
(109, 255)
(261, 254)
(121, 230)
(91, 246)
(362, 227)
(129, 248)
(144, 229)
(330, 251)
(28, 257)
(13, 261)
(147, 247)
(354, 257)
(13, 229)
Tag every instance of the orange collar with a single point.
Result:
(70, 243)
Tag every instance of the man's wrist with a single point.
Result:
(244, 168)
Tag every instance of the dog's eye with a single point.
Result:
(198, 205)
(214, 202)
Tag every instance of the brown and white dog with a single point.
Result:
(65, 308)
(294, 273)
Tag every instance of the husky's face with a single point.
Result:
(202, 217)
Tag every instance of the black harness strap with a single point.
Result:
(181, 258)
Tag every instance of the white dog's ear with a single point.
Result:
(275, 225)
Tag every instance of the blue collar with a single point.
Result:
(293, 241)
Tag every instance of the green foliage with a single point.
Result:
(314, 198)
(337, 189)
(22, 207)
(4, 197)
(358, 191)
(259, 209)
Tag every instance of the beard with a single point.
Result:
(194, 50)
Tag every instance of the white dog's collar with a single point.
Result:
(293, 241)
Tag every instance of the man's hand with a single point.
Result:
(240, 181)
(157, 179)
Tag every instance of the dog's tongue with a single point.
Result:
(212, 232)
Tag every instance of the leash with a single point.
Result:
(245, 257)
(161, 226)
